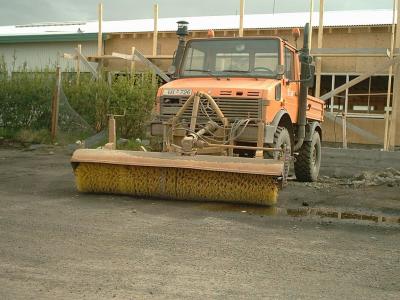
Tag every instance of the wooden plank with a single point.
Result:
(69, 56)
(389, 89)
(395, 115)
(352, 52)
(78, 64)
(332, 97)
(87, 64)
(159, 56)
(118, 55)
(344, 118)
(129, 57)
(311, 28)
(241, 18)
(152, 66)
(133, 61)
(319, 45)
(155, 32)
(100, 31)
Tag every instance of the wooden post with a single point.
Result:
(55, 104)
(333, 97)
(311, 29)
(241, 18)
(389, 89)
(319, 59)
(112, 134)
(395, 115)
(133, 62)
(260, 139)
(392, 118)
(78, 65)
(155, 32)
(344, 116)
(100, 33)
(395, 118)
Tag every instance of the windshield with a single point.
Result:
(245, 57)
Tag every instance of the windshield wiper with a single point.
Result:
(197, 70)
(202, 71)
(235, 71)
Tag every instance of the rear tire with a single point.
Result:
(308, 162)
(281, 139)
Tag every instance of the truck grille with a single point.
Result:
(232, 109)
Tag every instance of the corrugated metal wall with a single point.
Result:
(45, 54)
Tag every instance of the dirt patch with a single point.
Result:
(57, 243)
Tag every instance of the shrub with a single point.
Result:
(25, 98)
(132, 97)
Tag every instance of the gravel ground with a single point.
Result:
(57, 243)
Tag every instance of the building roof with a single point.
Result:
(24, 33)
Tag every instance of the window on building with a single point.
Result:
(368, 96)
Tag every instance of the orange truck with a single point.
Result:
(234, 117)
(263, 78)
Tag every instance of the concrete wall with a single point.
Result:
(44, 54)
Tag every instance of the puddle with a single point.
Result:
(300, 212)
(249, 209)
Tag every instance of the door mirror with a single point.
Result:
(280, 71)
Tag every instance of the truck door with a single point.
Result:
(291, 88)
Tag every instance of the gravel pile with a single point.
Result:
(389, 177)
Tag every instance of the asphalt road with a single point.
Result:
(58, 244)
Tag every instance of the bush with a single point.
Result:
(25, 99)
(133, 97)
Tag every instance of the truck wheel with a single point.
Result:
(281, 139)
(308, 162)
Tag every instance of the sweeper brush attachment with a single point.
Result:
(167, 175)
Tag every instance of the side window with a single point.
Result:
(289, 74)
(195, 59)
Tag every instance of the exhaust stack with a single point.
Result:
(182, 32)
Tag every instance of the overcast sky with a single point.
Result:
(13, 12)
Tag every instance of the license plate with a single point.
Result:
(177, 92)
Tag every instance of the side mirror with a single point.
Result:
(280, 71)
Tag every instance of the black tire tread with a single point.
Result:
(302, 165)
(277, 134)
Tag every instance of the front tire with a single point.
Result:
(281, 140)
(308, 162)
